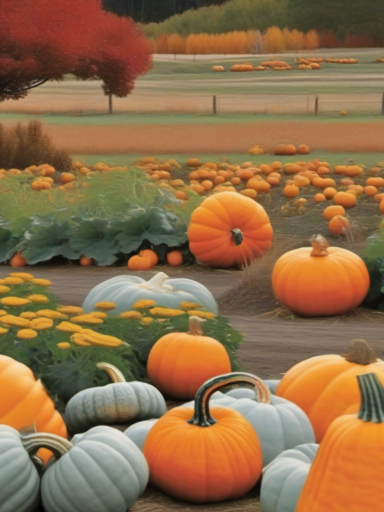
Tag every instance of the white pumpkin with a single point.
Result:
(125, 291)
(284, 478)
(138, 432)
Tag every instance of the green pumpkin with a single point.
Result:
(120, 402)
(125, 291)
(100, 471)
(138, 432)
(19, 479)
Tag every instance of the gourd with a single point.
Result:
(278, 423)
(325, 387)
(125, 291)
(19, 479)
(119, 402)
(320, 281)
(100, 471)
(24, 401)
(204, 454)
(284, 478)
(346, 472)
(138, 432)
(179, 363)
(229, 229)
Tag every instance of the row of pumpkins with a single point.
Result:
(308, 63)
(212, 449)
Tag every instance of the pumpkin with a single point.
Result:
(333, 210)
(278, 423)
(370, 190)
(291, 190)
(24, 401)
(179, 363)
(284, 478)
(319, 198)
(325, 386)
(329, 192)
(18, 260)
(175, 258)
(119, 402)
(320, 281)
(338, 224)
(67, 177)
(148, 253)
(139, 262)
(303, 149)
(344, 474)
(125, 291)
(19, 479)
(138, 432)
(229, 229)
(100, 471)
(344, 199)
(202, 454)
(86, 262)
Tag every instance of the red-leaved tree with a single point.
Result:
(43, 40)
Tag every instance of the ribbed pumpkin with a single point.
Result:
(325, 386)
(346, 473)
(204, 455)
(179, 363)
(24, 401)
(320, 281)
(229, 229)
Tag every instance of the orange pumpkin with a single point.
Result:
(207, 454)
(179, 363)
(291, 190)
(18, 260)
(86, 262)
(370, 190)
(338, 224)
(175, 258)
(344, 199)
(303, 149)
(333, 210)
(319, 198)
(375, 182)
(140, 263)
(193, 162)
(229, 229)
(67, 177)
(320, 281)
(149, 253)
(24, 401)
(329, 192)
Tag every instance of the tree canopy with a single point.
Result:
(43, 40)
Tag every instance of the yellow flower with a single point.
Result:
(78, 340)
(96, 338)
(105, 305)
(27, 334)
(70, 310)
(141, 304)
(4, 289)
(28, 314)
(41, 323)
(86, 319)
(13, 280)
(50, 313)
(63, 345)
(11, 320)
(41, 282)
(189, 305)
(2, 312)
(1, 281)
(167, 312)
(3, 330)
(130, 315)
(99, 314)
(35, 297)
(14, 301)
(68, 327)
(201, 314)
(22, 275)
(146, 320)
(161, 320)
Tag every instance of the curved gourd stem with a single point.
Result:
(156, 282)
(195, 327)
(113, 372)
(237, 236)
(319, 246)
(360, 353)
(372, 398)
(202, 416)
(58, 445)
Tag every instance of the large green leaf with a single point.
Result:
(8, 244)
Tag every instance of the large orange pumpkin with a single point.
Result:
(325, 387)
(24, 401)
(345, 474)
(320, 281)
(202, 457)
(229, 229)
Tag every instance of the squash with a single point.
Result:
(175, 258)
(125, 291)
(344, 473)
(284, 478)
(229, 229)
(100, 471)
(324, 387)
(338, 224)
(204, 455)
(140, 262)
(138, 432)
(149, 253)
(332, 280)
(18, 260)
(179, 363)
(86, 262)
(19, 479)
(119, 402)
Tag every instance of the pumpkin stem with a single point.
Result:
(113, 372)
(58, 445)
(320, 245)
(237, 236)
(202, 416)
(156, 283)
(195, 327)
(360, 353)
(372, 398)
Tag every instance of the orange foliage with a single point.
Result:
(293, 40)
(273, 40)
(311, 40)
(176, 44)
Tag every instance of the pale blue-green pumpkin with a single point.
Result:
(138, 432)
(99, 471)
(19, 479)
(120, 402)
(125, 291)
(284, 478)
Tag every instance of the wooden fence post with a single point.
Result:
(316, 105)
(110, 103)
(214, 104)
